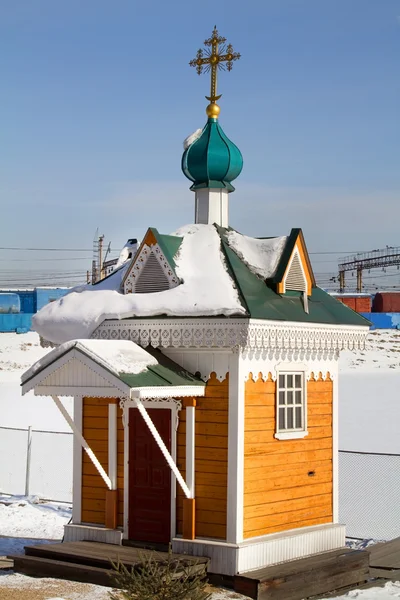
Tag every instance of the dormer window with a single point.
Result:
(152, 270)
(295, 279)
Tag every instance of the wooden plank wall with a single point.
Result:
(211, 452)
(279, 493)
(95, 432)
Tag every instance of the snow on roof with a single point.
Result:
(260, 255)
(118, 356)
(206, 290)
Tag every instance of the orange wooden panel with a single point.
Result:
(272, 508)
(286, 481)
(211, 443)
(98, 422)
(286, 446)
(260, 425)
(260, 498)
(206, 466)
(219, 479)
(211, 530)
(207, 428)
(288, 517)
(207, 504)
(284, 461)
(286, 470)
(211, 416)
(93, 517)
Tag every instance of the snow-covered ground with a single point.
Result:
(369, 384)
(26, 520)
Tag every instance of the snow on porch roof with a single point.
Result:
(135, 367)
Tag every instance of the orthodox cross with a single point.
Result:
(216, 55)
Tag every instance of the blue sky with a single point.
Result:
(97, 97)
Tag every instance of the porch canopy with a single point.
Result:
(118, 369)
(109, 368)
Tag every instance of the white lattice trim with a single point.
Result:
(140, 262)
(268, 363)
(231, 333)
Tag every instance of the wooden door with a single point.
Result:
(149, 478)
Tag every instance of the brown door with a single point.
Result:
(149, 478)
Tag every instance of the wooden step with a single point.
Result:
(298, 579)
(45, 567)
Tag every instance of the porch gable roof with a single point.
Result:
(117, 367)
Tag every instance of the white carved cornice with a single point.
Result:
(233, 333)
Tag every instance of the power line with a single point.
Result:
(15, 248)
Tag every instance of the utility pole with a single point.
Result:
(341, 281)
(359, 279)
(101, 240)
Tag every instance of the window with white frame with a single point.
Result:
(291, 405)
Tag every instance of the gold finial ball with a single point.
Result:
(213, 110)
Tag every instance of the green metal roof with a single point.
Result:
(169, 245)
(262, 302)
(166, 373)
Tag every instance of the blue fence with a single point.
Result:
(20, 322)
(383, 320)
(31, 301)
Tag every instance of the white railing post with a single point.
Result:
(190, 448)
(28, 460)
(112, 445)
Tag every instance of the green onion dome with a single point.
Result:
(212, 160)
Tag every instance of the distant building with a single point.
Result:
(17, 305)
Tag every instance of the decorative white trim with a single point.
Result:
(202, 360)
(295, 253)
(335, 448)
(139, 263)
(290, 435)
(235, 492)
(179, 391)
(232, 559)
(115, 385)
(174, 406)
(190, 449)
(233, 332)
(288, 369)
(76, 390)
(112, 445)
(77, 465)
(269, 363)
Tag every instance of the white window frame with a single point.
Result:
(291, 434)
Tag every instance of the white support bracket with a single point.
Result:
(83, 442)
(161, 445)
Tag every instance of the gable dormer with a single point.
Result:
(153, 267)
(294, 272)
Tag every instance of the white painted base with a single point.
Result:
(91, 533)
(255, 553)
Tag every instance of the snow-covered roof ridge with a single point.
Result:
(207, 289)
(118, 356)
(260, 255)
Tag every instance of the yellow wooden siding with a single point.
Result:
(279, 493)
(95, 431)
(211, 467)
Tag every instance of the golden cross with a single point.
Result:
(213, 58)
